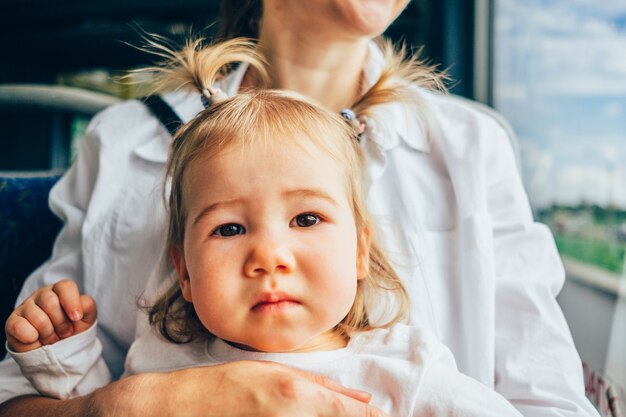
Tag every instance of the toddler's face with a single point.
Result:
(271, 250)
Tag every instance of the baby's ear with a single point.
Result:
(181, 269)
(363, 255)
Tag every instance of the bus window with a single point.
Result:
(560, 78)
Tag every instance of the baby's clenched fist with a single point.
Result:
(48, 315)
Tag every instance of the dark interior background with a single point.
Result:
(42, 40)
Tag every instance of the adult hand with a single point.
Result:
(261, 389)
(48, 315)
(233, 389)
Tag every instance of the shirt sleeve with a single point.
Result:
(69, 368)
(69, 200)
(537, 366)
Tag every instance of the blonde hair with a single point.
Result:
(267, 116)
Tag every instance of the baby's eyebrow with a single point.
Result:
(212, 207)
(311, 193)
(297, 193)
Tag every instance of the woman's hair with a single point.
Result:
(271, 118)
(240, 19)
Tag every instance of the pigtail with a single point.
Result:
(198, 65)
(399, 78)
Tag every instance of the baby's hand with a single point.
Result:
(50, 314)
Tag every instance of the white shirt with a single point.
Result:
(451, 212)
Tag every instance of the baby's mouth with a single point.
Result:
(274, 301)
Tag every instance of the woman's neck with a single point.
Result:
(324, 69)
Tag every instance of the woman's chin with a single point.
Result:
(371, 18)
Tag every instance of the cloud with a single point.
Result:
(612, 109)
(588, 170)
(581, 183)
(560, 77)
(570, 48)
(593, 184)
(601, 150)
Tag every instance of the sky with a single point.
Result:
(560, 79)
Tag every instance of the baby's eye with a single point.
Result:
(230, 229)
(306, 220)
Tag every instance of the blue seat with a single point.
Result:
(27, 232)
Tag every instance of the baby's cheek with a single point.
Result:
(211, 305)
(216, 320)
(340, 299)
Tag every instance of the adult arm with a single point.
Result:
(537, 366)
(235, 389)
